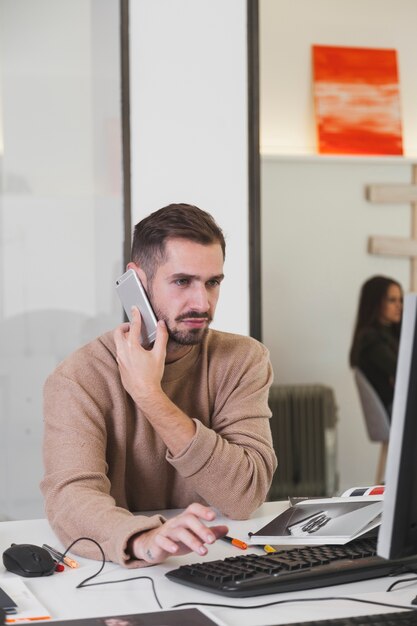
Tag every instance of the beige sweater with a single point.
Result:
(103, 460)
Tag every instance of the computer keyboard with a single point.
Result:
(295, 569)
(402, 618)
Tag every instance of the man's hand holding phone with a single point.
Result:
(132, 294)
(141, 369)
(141, 372)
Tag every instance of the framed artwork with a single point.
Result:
(357, 101)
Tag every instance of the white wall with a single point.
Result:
(315, 219)
(189, 135)
(288, 28)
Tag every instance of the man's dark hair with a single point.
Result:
(175, 221)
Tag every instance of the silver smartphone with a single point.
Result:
(132, 293)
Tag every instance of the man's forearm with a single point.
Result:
(174, 427)
(232, 469)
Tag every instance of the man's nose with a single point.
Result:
(199, 300)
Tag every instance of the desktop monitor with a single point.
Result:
(398, 531)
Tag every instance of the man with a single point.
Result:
(184, 424)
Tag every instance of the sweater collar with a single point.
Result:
(178, 368)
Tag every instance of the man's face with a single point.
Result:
(185, 289)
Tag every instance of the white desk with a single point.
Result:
(64, 601)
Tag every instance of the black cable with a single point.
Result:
(403, 580)
(261, 606)
(123, 580)
(103, 559)
(84, 582)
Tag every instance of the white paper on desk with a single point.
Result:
(28, 606)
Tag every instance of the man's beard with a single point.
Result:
(190, 337)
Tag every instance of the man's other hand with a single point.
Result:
(184, 533)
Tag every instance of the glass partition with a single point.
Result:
(61, 211)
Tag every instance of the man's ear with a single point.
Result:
(139, 271)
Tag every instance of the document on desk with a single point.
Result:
(7, 603)
(174, 617)
(322, 521)
(28, 607)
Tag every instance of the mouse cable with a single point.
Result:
(404, 580)
(295, 600)
(85, 583)
(399, 582)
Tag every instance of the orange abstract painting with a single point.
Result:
(357, 101)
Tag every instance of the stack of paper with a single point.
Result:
(28, 606)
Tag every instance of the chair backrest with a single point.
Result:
(374, 412)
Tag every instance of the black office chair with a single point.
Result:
(376, 419)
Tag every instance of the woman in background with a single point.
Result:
(376, 336)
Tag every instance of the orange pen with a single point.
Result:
(235, 542)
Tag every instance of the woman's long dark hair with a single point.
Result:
(371, 298)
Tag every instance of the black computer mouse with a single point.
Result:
(28, 560)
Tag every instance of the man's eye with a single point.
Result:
(213, 283)
(181, 282)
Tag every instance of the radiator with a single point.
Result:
(303, 426)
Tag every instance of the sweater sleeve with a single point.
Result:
(75, 486)
(231, 463)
